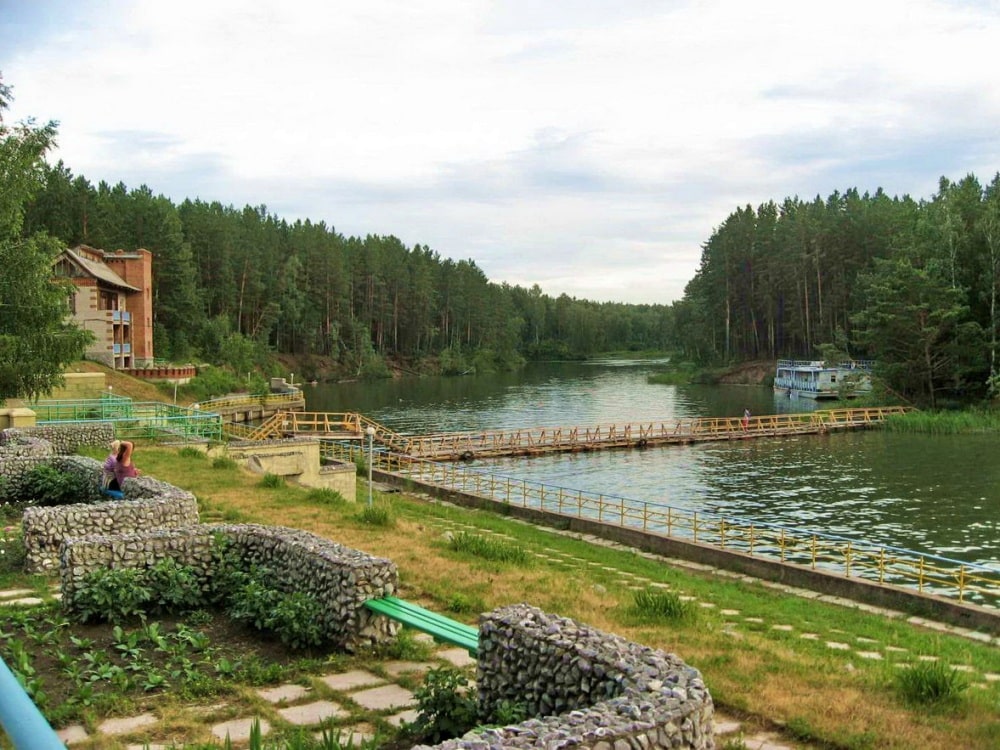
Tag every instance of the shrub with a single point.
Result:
(224, 462)
(497, 550)
(930, 682)
(189, 452)
(47, 485)
(446, 708)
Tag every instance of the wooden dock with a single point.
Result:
(455, 446)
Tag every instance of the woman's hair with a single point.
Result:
(116, 446)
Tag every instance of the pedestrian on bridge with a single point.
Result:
(746, 420)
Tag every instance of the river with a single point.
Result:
(935, 494)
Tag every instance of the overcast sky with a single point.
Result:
(588, 146)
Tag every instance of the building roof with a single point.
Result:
(100, 271)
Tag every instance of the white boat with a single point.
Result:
(818, 379)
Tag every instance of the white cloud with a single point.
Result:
(589, 146)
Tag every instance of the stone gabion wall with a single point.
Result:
(69, 438)
(148, 504)
(590, 689)
(16, 468)
(341, 578)
(13, 443)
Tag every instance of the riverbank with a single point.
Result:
(826, 673)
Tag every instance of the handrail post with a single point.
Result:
(24, 724)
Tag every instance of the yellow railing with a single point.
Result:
(636, 434)
(930, 574)
(250, 400)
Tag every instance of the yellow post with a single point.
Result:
(814, 552)
(881, 565)
(847, 566)
(961, 583)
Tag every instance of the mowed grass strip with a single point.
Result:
(832, 697)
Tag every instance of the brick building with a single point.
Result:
(113, 300)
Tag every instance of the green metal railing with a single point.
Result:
(108, 406)
(851, 558)
(152, 420)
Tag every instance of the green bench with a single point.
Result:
(442, 628)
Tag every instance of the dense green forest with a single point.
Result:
(911, 284)
(231, 285)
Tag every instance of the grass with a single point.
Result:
(488, 548)
(946, 422)
(930, 683)
(839, 699)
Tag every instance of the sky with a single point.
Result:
(587, 146)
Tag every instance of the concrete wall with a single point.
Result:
(81, 385)
(297, 459)
(16, 417)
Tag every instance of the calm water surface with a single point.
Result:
(934, 494)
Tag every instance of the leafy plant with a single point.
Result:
(174, 587)
(447, 709)
(191, 452)
(46, 485)
(112, 595)
(930, 683)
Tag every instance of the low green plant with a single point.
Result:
(224, 462)
(378, 514)
(12, 551)
(406, 647)
(174, 587)
(508, 712)
(652, 605)
(489, 548)
(271, 481)
(326, 496)
(930, 683)
(112, 595)
(465, 604)
(447, 708)
(46, 485)
(191, 452)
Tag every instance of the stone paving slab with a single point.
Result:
(126, 724)
(238, 730)
(349, 680)
(28, 601)
(310, 714)
(283, 693)
(404, 717)
(72, 734)
(458, 657)
(353, 736)
(396, 668)
(381, 698)
(15, 593)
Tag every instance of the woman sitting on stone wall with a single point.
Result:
(118, 465)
